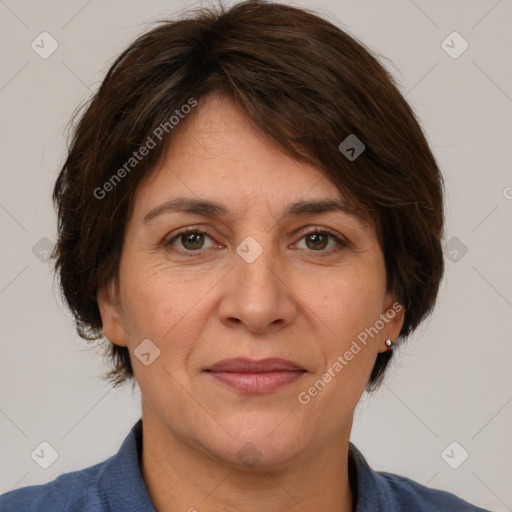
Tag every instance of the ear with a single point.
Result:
(111, 315)
(393, 315)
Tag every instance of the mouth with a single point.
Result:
(250, 376)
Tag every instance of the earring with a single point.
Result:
(389, 343)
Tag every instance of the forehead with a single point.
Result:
(221, 156)
(218, 142)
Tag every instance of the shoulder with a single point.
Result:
(410, 495)
(114, 484)
(77, 490)
(388, 492)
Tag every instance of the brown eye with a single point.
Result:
(191, 241)
(321, 241)
(317, 241)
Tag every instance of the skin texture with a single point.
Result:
(211, 304)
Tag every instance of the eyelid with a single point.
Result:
(308, 230)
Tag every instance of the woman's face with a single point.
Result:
(248, 281)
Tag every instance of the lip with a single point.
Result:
(250, 376)
(244, 365)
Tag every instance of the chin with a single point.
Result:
(259, 446)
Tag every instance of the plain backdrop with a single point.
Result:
(450, 383)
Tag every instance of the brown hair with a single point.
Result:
(307, 85)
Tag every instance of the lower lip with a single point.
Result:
(257, 382)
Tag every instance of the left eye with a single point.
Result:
(319, 240)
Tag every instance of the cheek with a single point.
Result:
(351, 303)
(147, 306)
(167, 311)
(154, 299)
(348, 309)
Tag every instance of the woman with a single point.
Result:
(251, 215)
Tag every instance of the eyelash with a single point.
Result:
(341, 243)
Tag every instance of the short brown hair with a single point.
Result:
(307, 85)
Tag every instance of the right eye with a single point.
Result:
(190, 240)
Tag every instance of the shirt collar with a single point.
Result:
(122, 480)
(367, 485)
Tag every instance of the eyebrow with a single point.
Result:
(217, 210)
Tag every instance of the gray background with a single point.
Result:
(451, 382)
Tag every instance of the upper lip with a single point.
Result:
(243, 365)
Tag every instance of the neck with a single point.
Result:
(182, 477)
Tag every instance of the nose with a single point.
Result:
(258, 295)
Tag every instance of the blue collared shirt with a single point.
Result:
(116, 485)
